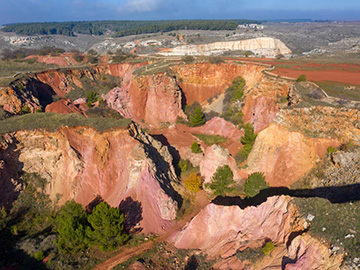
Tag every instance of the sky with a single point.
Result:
(81, 10)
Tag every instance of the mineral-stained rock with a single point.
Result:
(306, 252)
(222, 230)
(285, 156)
(122, 166)
(63, 106)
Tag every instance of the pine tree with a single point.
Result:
(108, 227)
(197, 118)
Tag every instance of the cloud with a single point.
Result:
(142, 5)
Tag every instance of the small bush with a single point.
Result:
(301, 78)
(91, 96)
(215, 60)
(187, 59)
(39, 256)
(254, 184)
(221, 180)
(331, 150)
(25, 110)
(195, 148)
(184, 165)
(193, 182)
(248, 141)
(268, 248)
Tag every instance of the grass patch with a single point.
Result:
(52, 121)
(9, 68)
(211, 139)
(334, 222)
(341, 90)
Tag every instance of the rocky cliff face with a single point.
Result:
(124, 167)
(204, 80)
(154, 99)
(264, 46)
(224, 230)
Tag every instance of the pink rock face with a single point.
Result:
(222, 230)
(306, 252)
(285, 156)
(63, 106)
(83, 165)
(215, 156)
(219, 126)
(260, 111)
(155, 99)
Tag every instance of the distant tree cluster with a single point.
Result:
(122, 28)
(7, 54)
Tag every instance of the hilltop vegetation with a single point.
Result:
(123, 28)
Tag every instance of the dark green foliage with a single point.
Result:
(124, 28)
(254, 184)
(3, 217)
(187, 59)
(184, 165)
(32, 211)
(301, 78)
(72, 223)
(39, 256)
(91, 96)
(91, 59)
(78, 57)
(195, 148)
(222, 178)
(233, 94)
(197, 118)
(22, 53)
(107, 227)
(248, 141)
(92, 52)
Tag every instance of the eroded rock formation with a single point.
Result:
(121, 166)
(263, 46)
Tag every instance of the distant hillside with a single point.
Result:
(122, 28)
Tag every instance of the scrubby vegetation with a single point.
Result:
(233, 95)
(193, 182)
(247, 141)
(123, 28)
(254, 184)
(52, 121)
(301, 78)
(222, 178)
(339, 223)
(195, 148)
(21, 53)
(211, 139)
(188, 59)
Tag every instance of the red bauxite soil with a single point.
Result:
(343, 73)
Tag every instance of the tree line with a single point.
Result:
(121, 28)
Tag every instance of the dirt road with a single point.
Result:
(200, 202)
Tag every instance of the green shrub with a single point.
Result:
(195, 148)
(221, 180)
(91, 96)
(248, 141)
(197, 118)
(39, 256)
(25, 110)
(38, 110)
(301, 78)
(215, 60)
(3, 217)
(269, 246)
(254, 184)
(331, 150)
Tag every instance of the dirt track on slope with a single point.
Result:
(200, 202)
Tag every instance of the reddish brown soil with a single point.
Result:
(342, 72)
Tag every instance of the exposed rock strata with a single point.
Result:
(120, 166)
(263, 46)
